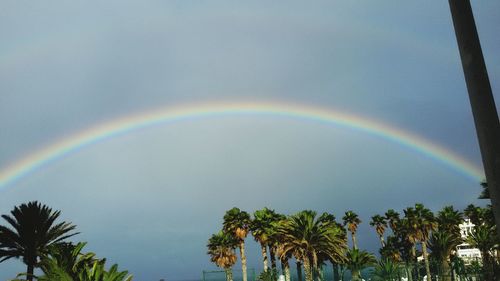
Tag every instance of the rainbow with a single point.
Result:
(127, 124)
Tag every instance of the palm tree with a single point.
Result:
(474, 213)
(33, 231)
(449, 219)
(405, 245)
(380, 224)
(98, 272)
(386, 270)
(330, 218)
(358, 260)
(483, 238)
(407, 229)
(446, 238)
(390, 251)
(351, 220)
(425, 224)
(221, 250)
(67, 257)
(485, 193)
(392, 218)
(442, 243)
(237, 223)
(307, 238)
(274, 237)
(261, 227)
(285, 265)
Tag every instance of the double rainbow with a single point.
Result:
(65, 147)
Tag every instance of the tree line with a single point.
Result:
(413, 244)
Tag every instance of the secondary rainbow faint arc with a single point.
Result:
(32, 162)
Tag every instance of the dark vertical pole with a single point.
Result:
(481, 97)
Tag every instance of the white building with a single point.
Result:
(464, 250)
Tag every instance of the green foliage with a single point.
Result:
(68, 257)
(262, 224)
(307, 238)
(270, 275)
(392, 218)
(98, 273)
(351, 220)
(358, 260)
(66, 262)
(237, 223)
(448, 220)
(386, 270)
(442, 244)
(380, 225)
(33, 231)
(391, 249)
(485, 193)
(221, 249)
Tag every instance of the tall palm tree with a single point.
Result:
(307, 238)
(446, 238)
(274, 237)
(390, 250)
(285, 265)
(392, 218)
(351, 220)
(330, 218)
(380, 224)
(408, 229)
(425, 224)
(237, 223)
(221, 250)
(358, 260)
(33, 231)
(449, 220)
(483, 237)
(474, 213)
(261, 230)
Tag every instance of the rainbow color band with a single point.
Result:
(64, 147)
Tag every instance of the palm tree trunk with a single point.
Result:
(354, 242)
(299, 271)
(485, 256)
(316, 273)
(264, 255)
(445, 270)
(243, 260)
(336, 276)
(287, 270)
(229, 274)
(29, 272)
(414, 263)
(382, 240)
(426, 260)
(272, 253)
(320, 273)
(308, 270)
(342, 272)
(356, 275)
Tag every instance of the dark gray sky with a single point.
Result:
(149, 200)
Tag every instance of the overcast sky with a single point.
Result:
(149, 200)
